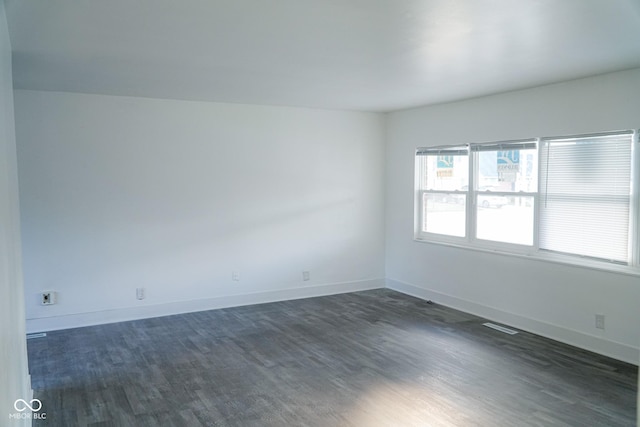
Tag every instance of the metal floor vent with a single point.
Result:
(500, 328)
(40, 335)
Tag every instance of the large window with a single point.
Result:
(565, 196)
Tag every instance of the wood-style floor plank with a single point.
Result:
(374, 358)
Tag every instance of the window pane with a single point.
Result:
(444, 213)
(510, 170)
(447, 173)
(585, 197)
(596, 228)
(505, 219)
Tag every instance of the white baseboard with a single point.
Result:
(599, 345)
(592, 343)
(44, 324)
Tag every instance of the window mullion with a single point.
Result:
(537, 200)
(471, 197)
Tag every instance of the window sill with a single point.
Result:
(567, 260)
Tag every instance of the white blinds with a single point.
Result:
(443, 151)
(525, 144)
(585, 186)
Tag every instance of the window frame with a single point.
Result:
(473, 215)
(420, 194)
(470, 240)
(632, 212)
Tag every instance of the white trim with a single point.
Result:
(69, 321)
(472, 201)
(634, 214)
(546, 256)
(598, 345)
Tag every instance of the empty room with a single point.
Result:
(319, 213)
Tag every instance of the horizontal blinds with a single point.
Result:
(505, 146)
(464, 150)
(442, 151)
(585, 196)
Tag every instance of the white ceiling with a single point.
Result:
(373, 55)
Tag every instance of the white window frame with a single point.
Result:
(470, 241)
(472, 217)
(420, 193)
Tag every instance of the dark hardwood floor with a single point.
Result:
(374, 358)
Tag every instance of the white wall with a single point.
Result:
(554, 300)
(119, 193)
(172, 196)
(14, 370)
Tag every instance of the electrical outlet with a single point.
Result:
(599, 321)
(306, 276)
(47, 298)
(140, 294)
(235, 276)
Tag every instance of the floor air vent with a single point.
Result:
(500, 328)
(40, 335)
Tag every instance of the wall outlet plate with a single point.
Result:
(599, 321)
(48, 298)
(306, 275)
(140, 293)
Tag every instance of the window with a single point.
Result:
(506, 179)
(443, 182)
(586, 204)
(567, 196)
